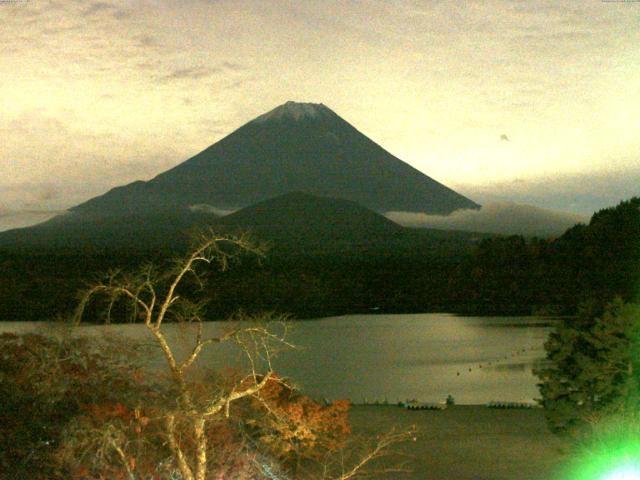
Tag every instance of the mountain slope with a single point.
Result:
(295, 147)
(129, 231)
(303, 218)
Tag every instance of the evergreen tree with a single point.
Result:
(592, 367)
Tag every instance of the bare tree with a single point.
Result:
(156, 305)
(155, 298)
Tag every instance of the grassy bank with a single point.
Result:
(469, 442)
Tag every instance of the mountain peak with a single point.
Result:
(303, 147)
(294, 111)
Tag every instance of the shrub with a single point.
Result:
(45, 382)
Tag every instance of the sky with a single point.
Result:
(526, 101)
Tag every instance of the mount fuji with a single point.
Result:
(296, 147)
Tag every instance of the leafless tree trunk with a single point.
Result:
(145, 293)
(154, 297)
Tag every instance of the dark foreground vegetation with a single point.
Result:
(413, 271)
(590, 389)
(74, 408)
(79, 408)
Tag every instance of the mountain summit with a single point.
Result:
(295, 111)
(296, 147)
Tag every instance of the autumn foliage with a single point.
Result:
(299, 427)
(71, 410)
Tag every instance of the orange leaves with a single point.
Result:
(108, 411)
(98, 414)
(80, 472)
(298, 425)
(138, 375)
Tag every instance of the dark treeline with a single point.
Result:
(588, 264)
(422, 273)
(316, 283)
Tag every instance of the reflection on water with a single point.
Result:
(393, 357)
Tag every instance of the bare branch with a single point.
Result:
(184, 467)
(206, 252)
(123, 459)
(380, 449)
(224, 402)
(200, 344)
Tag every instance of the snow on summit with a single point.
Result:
(294, 111)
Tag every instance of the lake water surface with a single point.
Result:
(392, 357)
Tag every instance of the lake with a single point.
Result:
(391, 357)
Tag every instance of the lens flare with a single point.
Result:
(610, 459)
(624, 472)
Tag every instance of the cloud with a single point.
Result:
(4, 213)
(146, 40)
(79, 30)
(99, 8)
(28, 204)
(198, 72)
(192, 73)
(149, 65)
(233, 66)
(501, 217)
(53, 164)
(205, 208)
(36, 197)
(582, 193)
(50, 194)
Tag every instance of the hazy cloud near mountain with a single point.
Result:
(583, 193)
(500, 217)
(204, 208)
(27, 203)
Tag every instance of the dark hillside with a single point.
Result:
(309, 220)
(134, 232)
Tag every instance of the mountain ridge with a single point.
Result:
(294, 147)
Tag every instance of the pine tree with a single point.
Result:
(592, 368)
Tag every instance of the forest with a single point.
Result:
(482, 274)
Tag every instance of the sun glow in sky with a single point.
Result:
(477, 94)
